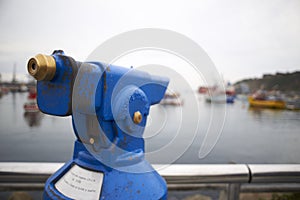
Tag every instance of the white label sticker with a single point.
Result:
(80, 183)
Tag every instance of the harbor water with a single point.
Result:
(246, 135)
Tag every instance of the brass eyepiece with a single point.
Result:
(42, 67)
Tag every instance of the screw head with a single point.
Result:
(137, 117)
(92, 141)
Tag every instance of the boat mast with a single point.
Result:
(14, 74)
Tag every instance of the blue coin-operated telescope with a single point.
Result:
(109, 106)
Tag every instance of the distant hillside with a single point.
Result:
(288, 82)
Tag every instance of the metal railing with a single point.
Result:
(233, 178)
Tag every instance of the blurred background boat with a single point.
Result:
(31, 105)
(172, 99)
(23, 88)
(216, 94)
(264, 99)
(293, 104)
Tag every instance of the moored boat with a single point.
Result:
(293, 104)
(23, 88)
(217, 95)
(31, 104)
(172, 99)
(4, 90)
(266, 103)
(216, 98)
(31, 107)
(219, 98)
(230, 99)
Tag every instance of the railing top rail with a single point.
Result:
(179, 173)
(275, 173)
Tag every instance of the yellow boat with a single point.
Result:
(277, 104)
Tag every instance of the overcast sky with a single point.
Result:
(243, 38)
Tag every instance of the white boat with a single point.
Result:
(293, 104)
(23, 88)
(172, 99)
(216, 98)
